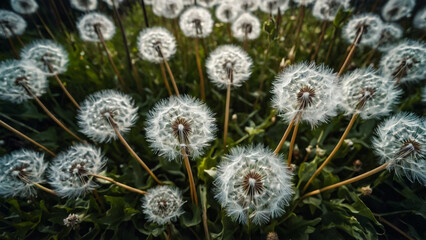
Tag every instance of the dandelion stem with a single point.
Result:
(163, 74)
(200, 71)
(330, 46)
(58, 16)
(12, 45)
(352, 51)
(228, 100)
(144, 13)
(324, 27)
(62, 85)
(245, 38)
(98, 198)
(336, 148)
(123, 35)
(204, 217)
(132, 189)
(131, 151)
(293, 139)
(169, 228)
(36, 26)
(286, 133)
(299, 25)
(26, 137)
(192, 186)
(381, 219)
(45, 26)
(228, 29)
(172, 78)
(48, 190)
(47, 111)
(351, 180)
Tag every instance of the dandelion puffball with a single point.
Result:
(248, 5)
(11, 24)
(328, 9)
(394, 10)
(95, 110)
(88, 24)
(178, 122)
(19, 170)
(391, 33)
(272, 6)
(155, 42)
(84, 5)
(24, 6)
(307, 88)
(227, 12)
(69, 174)
(45, 53)
(14, 73)
(419, 20)
(368, 93)
(253, 183)
(372, 25)
(401, 141)
(226, 60)
(405, 62)
(246, 25)
(196, 22)
(167, 8)
(162, 204)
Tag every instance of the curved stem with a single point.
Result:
(381, 219)
(336, 148)
(192, 186)
(200, 70)
(163, 74)
(293, 139)
(132, 189)
(286, 133)
(26, 137)
(352, 51)
(48, 190)
(62, 85)
(351, 180)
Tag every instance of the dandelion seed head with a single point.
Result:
(365, 87)
(24, 6)
(196, 22)
(167, 8)
(226, 60)
(19, 170)
(208, 3)
(272, 6)
(45, 53)
(11, 24)
(253, 183)
(419, 20)
(95, 111)
(246, 25)
(14, 73)
(69, 173)
(72, 221)
(405, 61)
(303, 2)
(115, 2)
(88, 24)
(248, 5)
(328, 9)
(84, 5)
(293, 88)
(162, 204)
(188, 115)
(372, 25)
(227, 12)
(391, 33)
(155, 42)
(401, 141)
(394, 10)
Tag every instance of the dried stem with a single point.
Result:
(26, 137)
(48, 190)
(293, 139)
(200, 70)
(163, 74)
(45, 26)
(132, 189)
(381, 219)
(330, 46)
(286, 133)
(352, 51)
(324, 27)
(192, 186)
(57, 15)
(12, 45)
(228, 100)
(36, 26)
(299, 26)
(228, 29)
(62, 85)
(123, 35)
(172, 78)
(205, 226)
(144, 13)
(245, 38)
(336, 148)
(98, 198)
(131, 151)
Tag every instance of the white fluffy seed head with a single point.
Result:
(162, 204)
(226, 60)
(405, 61)
(15, 72)
(227, 12)
(84, 5)
(365, 87)
(246, 25)
(45, 53)
(167, 8)
(391, 34)
(401, 141)
(11, 24)
(394, 10)
(167, 137)
(272, 6)
(24, 6)
(312, 86)
(328, 9)
(69, 174)
(303, 2)
(196, 22)
(115, 2)
(19, 170)
(88, 24)
(253, 183)
(155, 42)
(95, 111)
(248, 5)
(372, 25)
(208, 3)
(419, 20)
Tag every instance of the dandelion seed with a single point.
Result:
(24, 6)
(391, 34)
(84, 5)
(208, 3)
(91, 23)
(253, 183)
(196, 22)
(273, 6)
(401, 142)
(246, 26)
(327, 9)
(72, 221)
(156, 43)
(419, 20)
(167, 8)
(19, 172)
(11, 24)
(248, 5)
(227, 12)
(367, 27)
(162, 204)
(394, 10)
(405, 62)
(70, 172)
